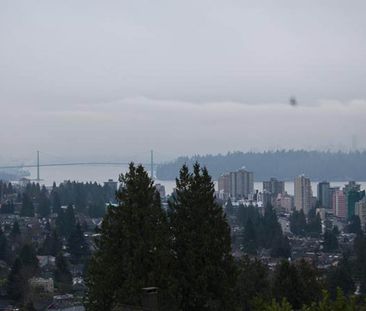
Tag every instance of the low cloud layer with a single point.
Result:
(130, 127)
(86, 79)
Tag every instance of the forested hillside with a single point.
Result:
(334, 166)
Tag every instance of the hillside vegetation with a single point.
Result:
(284, 164)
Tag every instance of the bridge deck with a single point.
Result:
(72, 164)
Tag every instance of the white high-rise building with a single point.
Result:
(303, 193)
(360, 210)
(238, 184)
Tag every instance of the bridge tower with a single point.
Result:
(38, 179)
(152, 164)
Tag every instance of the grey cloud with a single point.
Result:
(194, 76)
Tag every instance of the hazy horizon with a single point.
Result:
(85, 79)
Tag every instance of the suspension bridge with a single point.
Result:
(38, 164)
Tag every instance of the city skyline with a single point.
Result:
(182, 155)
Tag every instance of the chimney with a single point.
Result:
(150, 299)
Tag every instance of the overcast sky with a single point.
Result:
(94, 78)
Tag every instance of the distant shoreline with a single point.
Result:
(284, 165)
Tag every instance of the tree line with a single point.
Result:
(87, 198)
(283, 164)
(257, 230)
(302, 226)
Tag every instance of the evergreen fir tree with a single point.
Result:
(229, 209)
(253, 282)
(272, 233)
(4, 247)
(62, 272)
(78, 247)
(69, 218)
(354, 225)
(44, 204)
(25, 266)
(29, 306)
(29, 260)
(250, 238)
(65, 221)
(97, 210)
(281, 247)
(7, 208)
(298, 283)
(314, 226)
(133, 248)
(298, 223)
(201, 243)
(52, 245)
(27, 209)
(16, 282)
(56, 202)
(15, 231)
(330, 241)
(359, 246)
(48, 227)
(336, 231)
(340, 277)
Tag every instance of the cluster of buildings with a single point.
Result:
(341, 203)
(345, 202)
(335, 205)
(238, 184)
(42, 290)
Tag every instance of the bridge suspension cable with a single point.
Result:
(38, 164)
